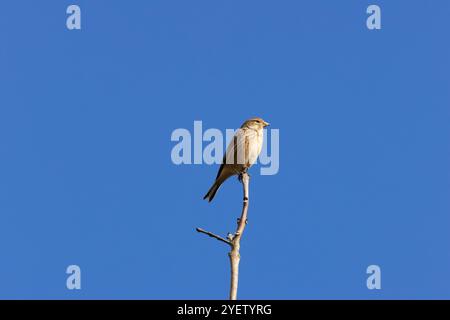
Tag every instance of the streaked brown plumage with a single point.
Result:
(241, 153)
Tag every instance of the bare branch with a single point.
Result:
(212, 235)
(234, 240)
(234, 254)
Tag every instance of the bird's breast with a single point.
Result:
(255, 146)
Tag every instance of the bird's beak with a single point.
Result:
(266, 124)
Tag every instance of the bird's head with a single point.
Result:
(255, 123)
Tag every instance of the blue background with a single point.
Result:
(86, 176)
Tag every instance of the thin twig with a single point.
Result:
(234, 255)
(235, 239)
(212, 235)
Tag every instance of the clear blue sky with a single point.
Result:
(86, 176)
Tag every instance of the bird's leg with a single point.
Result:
(245, 171)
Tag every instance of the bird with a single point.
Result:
(241, 153)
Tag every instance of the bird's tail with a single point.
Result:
(212, 191)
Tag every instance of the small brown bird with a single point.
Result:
(241, 153)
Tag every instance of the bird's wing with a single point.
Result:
(240, 140)
(237, 151)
